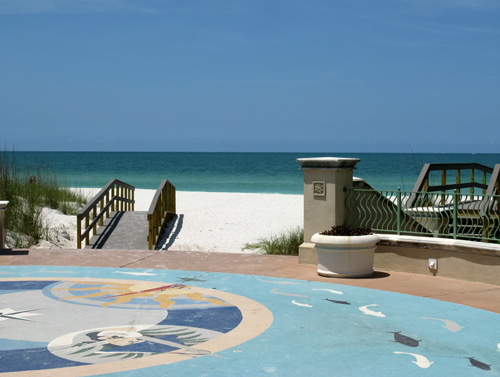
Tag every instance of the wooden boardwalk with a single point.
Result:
(123, 230)
(108, 220)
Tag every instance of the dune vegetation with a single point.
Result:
(28, 192)
(285, 243)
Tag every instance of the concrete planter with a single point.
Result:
(345, 256)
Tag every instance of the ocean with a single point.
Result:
(227, 172)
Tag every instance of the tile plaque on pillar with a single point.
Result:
(319, 188)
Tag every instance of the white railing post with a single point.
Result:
(324, 197)
(3, 207)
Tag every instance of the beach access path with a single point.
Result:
(218, 221)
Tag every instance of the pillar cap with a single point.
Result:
(3, 205)
(328, 163)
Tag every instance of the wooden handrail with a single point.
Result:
(494, 184)
(122, 198)
(493, 189)
(423, 184)
(161, 211)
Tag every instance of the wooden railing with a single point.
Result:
(161, 211)
(115, 196)
(423, 181)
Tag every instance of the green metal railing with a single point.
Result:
(432, 214)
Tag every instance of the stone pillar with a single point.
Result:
(324, 182)
(3, 207)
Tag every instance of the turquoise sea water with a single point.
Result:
(228, 172)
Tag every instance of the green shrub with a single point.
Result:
(345, 230)
(286, 243)
(28, 193)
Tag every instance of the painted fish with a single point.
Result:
(420, 360)
(37, 272)
(403, 339)
(338, 302)
(365, 310)
(185, 280)
(135, 273)
(448, 324)
(277, 282)
(286, 294)
(329, 290)
(299, 304)
(478, 364)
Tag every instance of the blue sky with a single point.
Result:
(259, 75)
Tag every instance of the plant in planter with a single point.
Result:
(345, 251)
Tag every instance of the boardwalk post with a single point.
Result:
(78, 231)
(3, 207)
(113, 199)
(94, 212)
(101, 220)
(133, 200)
(87, 238)
(324, 197)
(122, 203)
(107, 201)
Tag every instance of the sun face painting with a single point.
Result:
(83, 324)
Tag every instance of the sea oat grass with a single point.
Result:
(286, 243)
(28, 192)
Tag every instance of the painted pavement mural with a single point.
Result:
(94, 321)
(52, 323)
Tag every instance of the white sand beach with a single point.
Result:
(206, 221)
